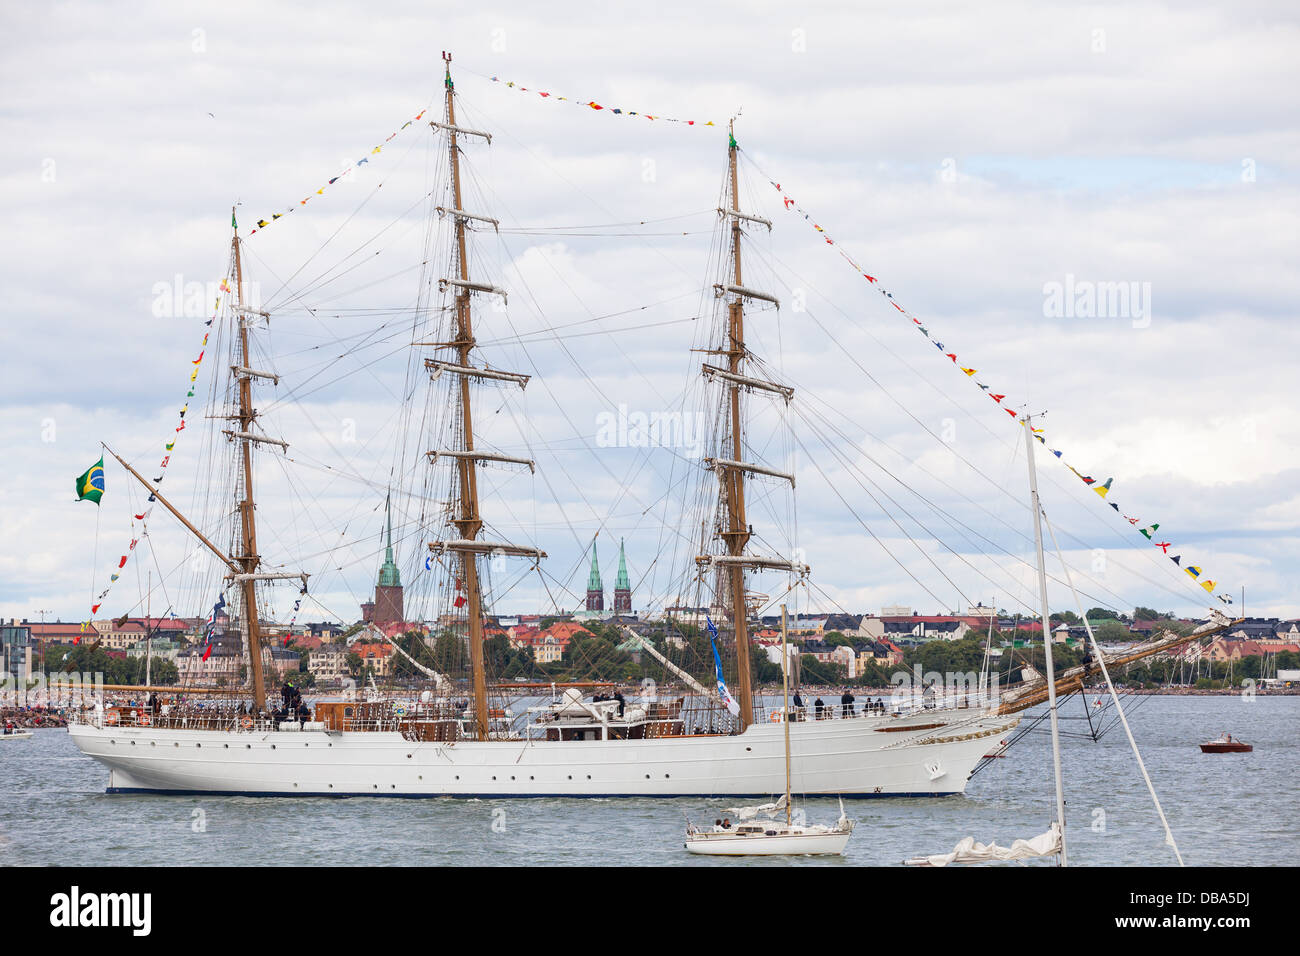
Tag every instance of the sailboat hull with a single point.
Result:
(855, 758)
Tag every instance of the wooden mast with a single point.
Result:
(248, 557)
(468, 522)
(736, 534)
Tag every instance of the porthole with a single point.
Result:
(177, 743)
(588, 776)
(153, 743)
(198, 745)
(272, 746)
(647, 776)
(248, 746)
(227, 746)
(133, 743)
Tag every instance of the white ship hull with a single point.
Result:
(854, 757)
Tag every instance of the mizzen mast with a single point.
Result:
(467, 519)
(247, 558)
(733, 526)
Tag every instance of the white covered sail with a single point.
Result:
(766, 809)
(968, 851)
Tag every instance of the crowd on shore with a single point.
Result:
(28, 718)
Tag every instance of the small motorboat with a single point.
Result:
(15, 734)
(1226, 745)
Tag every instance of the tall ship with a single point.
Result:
(492, 737)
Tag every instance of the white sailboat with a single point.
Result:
(752, 836)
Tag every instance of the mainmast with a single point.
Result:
(733, 527)
(467, 519)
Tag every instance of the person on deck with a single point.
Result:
(818, 708)
(846, 704)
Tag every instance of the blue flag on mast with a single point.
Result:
(732, 707)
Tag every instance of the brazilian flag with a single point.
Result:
(91, 484)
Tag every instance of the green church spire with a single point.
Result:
(622, 583)
(389, 576)
(593, 580)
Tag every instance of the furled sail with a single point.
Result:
(968, 851)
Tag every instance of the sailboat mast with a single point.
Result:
(248, 557)
(468, 522)
(1047, 634)
(785, 711)
(737, 533)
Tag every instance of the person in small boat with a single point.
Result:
(726, 823)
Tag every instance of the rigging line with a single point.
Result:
(599, 318)
(943, 513)
(346, 352)
(844, 501)
(838, 455)
(612, 225)
(604, 235)
(983, 475)
(1101, 660)
(950, 400)
(352, 215)
(314, 285)
(534, 338)
(296, 395)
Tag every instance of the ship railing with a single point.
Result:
(833, 709)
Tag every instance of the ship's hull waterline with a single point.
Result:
(855, 758)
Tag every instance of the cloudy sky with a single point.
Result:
(978, 161)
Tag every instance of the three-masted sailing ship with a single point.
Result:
(453, 740)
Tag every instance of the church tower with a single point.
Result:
(388, 590)
(622, 585)
(595, 590)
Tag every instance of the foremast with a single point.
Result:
(733, 527)
(242, 567)
(467, 519)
